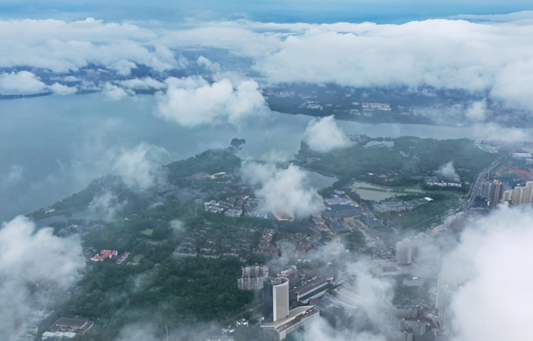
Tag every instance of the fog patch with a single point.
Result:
(320, 330)
(36, 268)
(275, 156)
(139, 167)
(490, 272)
(365, 296)
(104, 206)
(149, 332)
(176, 226)
(477, 112)
(323, 135)
(495, 132)
(285, 192)
(447, 171)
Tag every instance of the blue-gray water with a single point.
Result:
(62, 143)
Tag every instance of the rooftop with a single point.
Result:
(78, 325)
(295, 316)
(312, 286)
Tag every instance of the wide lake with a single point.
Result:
(53, 146)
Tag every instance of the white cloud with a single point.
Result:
(71, 79)
(366, 297)
(61, 89)
(193, 101)
(63, 46)
(495, 132)
(512, 84)
(209, 65)
(456, 54)
(123, 67)
(142, 84)
(490, 58)
(445, 54)
(20, 83)
(114, 92)
(440, 53)
(285, 192)
(239, 38)
(177, 226)
(491, 272)
(477, 112)
(138, 167)
(320, 330)
(323, 135)
(447, 171)
(104, 206)
(33, 265)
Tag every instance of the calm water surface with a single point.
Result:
(53, 146)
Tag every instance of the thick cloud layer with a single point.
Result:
(21, 83)
(490, 58)
(193, 101)
(484, 58)
(491, 273)
(439, 53)
(33, 265)
(68, 46)
(323, 135)
(285, 192)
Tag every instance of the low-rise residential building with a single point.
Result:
(104, 254)
(68, 327)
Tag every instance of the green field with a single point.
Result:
(404, 164)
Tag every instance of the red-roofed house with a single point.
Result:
(104, 254)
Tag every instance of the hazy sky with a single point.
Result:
(273, 10)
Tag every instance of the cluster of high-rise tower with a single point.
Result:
(520, 194)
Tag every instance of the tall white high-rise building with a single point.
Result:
(278, 320)
(404, 252)
(521, 195)
(495, 193)
(507, 195)
(527, 193)
(276, 298)
(516, 197)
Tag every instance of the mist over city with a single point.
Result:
(260, 171)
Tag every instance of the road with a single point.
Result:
(475, 190)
